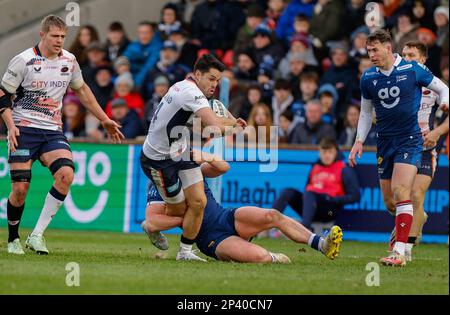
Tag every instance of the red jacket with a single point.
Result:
(327, 179)
(134, 101)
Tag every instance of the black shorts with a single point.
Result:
(428, 163)
(170, 177)
(33, 142)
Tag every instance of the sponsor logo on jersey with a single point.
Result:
(196, 98)
(37, 69)
(23, 152)
(12, 73)
(34, 61)
(48, 84)
(402, 78)
(404, 67)
(386, 93)
(375, 82)
(405, 156)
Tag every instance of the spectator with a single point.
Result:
(328, 98)
(358, 39)
(117, 41)
(404, 32)
(342, 75)
(313, 129)
(96, 57)
(215, 25)
(86, 35)
(122, 65)
(281, 100)
(422, 11)
(331, 185)
(73, 117)
(127, 118)
(161, 85)
(187, 48)
(285, 26)
(103, 87)
(354, 15)
(364, 64)
(265, 49)
(326, 25)
(309, 83)
(427, 37)
(441, 20)
(241, 106)
(166, 65)
(348, 135)
(143, 53)
(287, 125)
(265, 81)
(259, 123)
(246, 71)
(299, 46)
(123, 87)
(169, 20)
(255, 16)
(274, 11)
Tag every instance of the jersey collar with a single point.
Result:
(37, 51)
(397, 61)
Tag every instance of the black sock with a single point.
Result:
(14, 215)
(187, 241)
(412, 239)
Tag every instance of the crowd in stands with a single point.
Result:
(292, 64)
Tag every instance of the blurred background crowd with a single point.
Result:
(292, 64)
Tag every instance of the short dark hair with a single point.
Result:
(116, 27)
(421, 47)
(282, 84)
(302, 17)
(288, 115)
(309, 76)
(327, 143)
(381, 36)
(208, 61)
(147, 23)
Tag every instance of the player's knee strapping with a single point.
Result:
(20, 176)
(57, 164)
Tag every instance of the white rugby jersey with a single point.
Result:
(174, 111)
(40, 84)
(428, 106)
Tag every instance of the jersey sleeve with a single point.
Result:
(77, 79)
(363, 88)
(14, 74)
(195, 101)
(423, 75)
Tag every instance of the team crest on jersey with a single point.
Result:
(64, 70)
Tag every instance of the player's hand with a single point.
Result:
(430, 138)
(444, 107)
(241, 123)
(112, 128)
(13, 133)
(356, 150)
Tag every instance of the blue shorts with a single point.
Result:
(391, 150)
(214, 233)
(428, 163)
(33, 142)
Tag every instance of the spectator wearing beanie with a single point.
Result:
(441, 20)
(131, 126)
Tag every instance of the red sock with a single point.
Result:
(403, 220)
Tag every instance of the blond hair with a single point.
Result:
(52, 20)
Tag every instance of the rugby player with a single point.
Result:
(225, 234)
(418, 52)
(165, 157)
(393, 86)
(39, 78)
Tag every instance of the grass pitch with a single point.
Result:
(115, 263)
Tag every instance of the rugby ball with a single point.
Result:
(218, 108)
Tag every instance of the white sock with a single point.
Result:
(185, 247)
(409, 247)
(274, 257)
(51, 206)
(399, 247)
(311, 238)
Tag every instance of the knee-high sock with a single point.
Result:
(403, 222)
(14, 215)
(53, 202)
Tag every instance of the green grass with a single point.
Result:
(114, 263)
